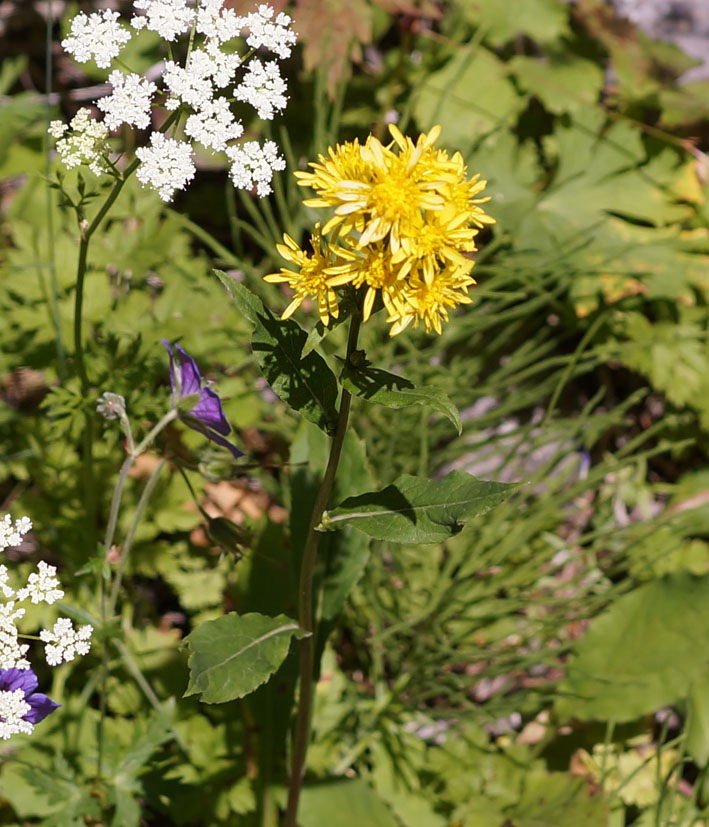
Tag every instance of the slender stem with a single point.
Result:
(108, 607)
(305, 597)
(48, 82)
(140, 508)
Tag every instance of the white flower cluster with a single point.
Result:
(98, 36)
(167, 165)
(204, 86)
(64, 643)
(11, 534)
(253, 165)
(13, 707)
(86, 143)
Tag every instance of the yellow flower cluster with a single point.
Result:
(403, 227)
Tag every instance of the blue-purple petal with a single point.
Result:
(190, 377)
(196, 425)
(207, 415)
(41, 706)
(13, 679)
(172, 364)
(209, 411)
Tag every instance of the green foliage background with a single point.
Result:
(464, 683)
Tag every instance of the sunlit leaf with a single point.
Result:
(234, 654)
(419, 510)
(640, 654)
(304, 382)
(382, 388)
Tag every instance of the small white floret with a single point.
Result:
(11, 534)
(264, 88)
(129, 102)
(166, 166)
(191, 84)
(216, 22)
(169, 18)
(12, 653)
(98, 35)
(42, 585)
(12, 707)
(64, 642)
(214, 125)
(254, 165)
(276, 35)
(86, 143)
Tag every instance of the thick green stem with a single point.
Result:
(305, 597)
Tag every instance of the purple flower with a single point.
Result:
(206, 415)
(26, 680)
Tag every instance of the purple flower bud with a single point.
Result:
(206, 415)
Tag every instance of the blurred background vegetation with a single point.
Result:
(548, 666)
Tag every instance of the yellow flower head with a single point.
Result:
(312, 279)
(403, 218)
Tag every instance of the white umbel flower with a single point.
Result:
(264, 88)
(214, 125)
(130, 101)
(12, 708)
(166, 166)
(191, 85)
(169, 18)
(11, 534)
(98, 35)
(12, 653)
(254, 165)
(216, 22)
(276, 36)
(87, 142)
(42, 585)
(64, 642)
(220, 66)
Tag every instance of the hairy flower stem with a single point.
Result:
(108, 605)
(87, 230)
(305, 596)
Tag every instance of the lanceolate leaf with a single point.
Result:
(383, 388)
(305, 383)
(419, 510)
(234, 654)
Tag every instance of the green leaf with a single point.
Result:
(698, 719)
(305, 383)
(563, 82)
(342, 803)
(455, 98)
(642, 653)
(391, 391)
(419, 510)
(502, 20)
(233, 655)
(558, 800)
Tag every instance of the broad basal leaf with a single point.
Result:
(343, 803)
(234, 654)
(303, 382)
(643, 653)
(391, 391)
(419, 510)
